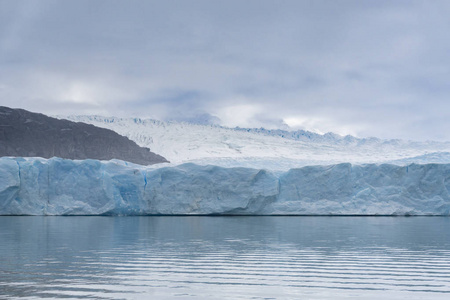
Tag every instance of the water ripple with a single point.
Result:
(138, 258)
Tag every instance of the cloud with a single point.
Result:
(239, 115)
(352, 67)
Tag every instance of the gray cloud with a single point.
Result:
(361, 67)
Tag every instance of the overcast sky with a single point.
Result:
(366, 68)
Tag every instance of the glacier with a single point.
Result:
(55, 186)
(277, 150)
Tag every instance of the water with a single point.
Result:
(225, 257)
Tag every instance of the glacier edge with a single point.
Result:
(36, 186)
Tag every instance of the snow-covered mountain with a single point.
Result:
(183, 142)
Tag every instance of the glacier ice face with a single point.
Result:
(34, 186)
(366, 190)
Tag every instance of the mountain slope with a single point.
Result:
(261, 148)
(27, 134)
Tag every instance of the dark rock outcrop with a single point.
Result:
(27, 134)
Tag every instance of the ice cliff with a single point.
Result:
(35, 186)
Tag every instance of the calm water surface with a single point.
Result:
(225, 257)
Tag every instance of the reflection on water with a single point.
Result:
(225, 257)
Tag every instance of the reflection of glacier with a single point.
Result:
(64, 187)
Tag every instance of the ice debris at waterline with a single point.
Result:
(35, 186)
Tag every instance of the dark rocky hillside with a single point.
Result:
(27, 134)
